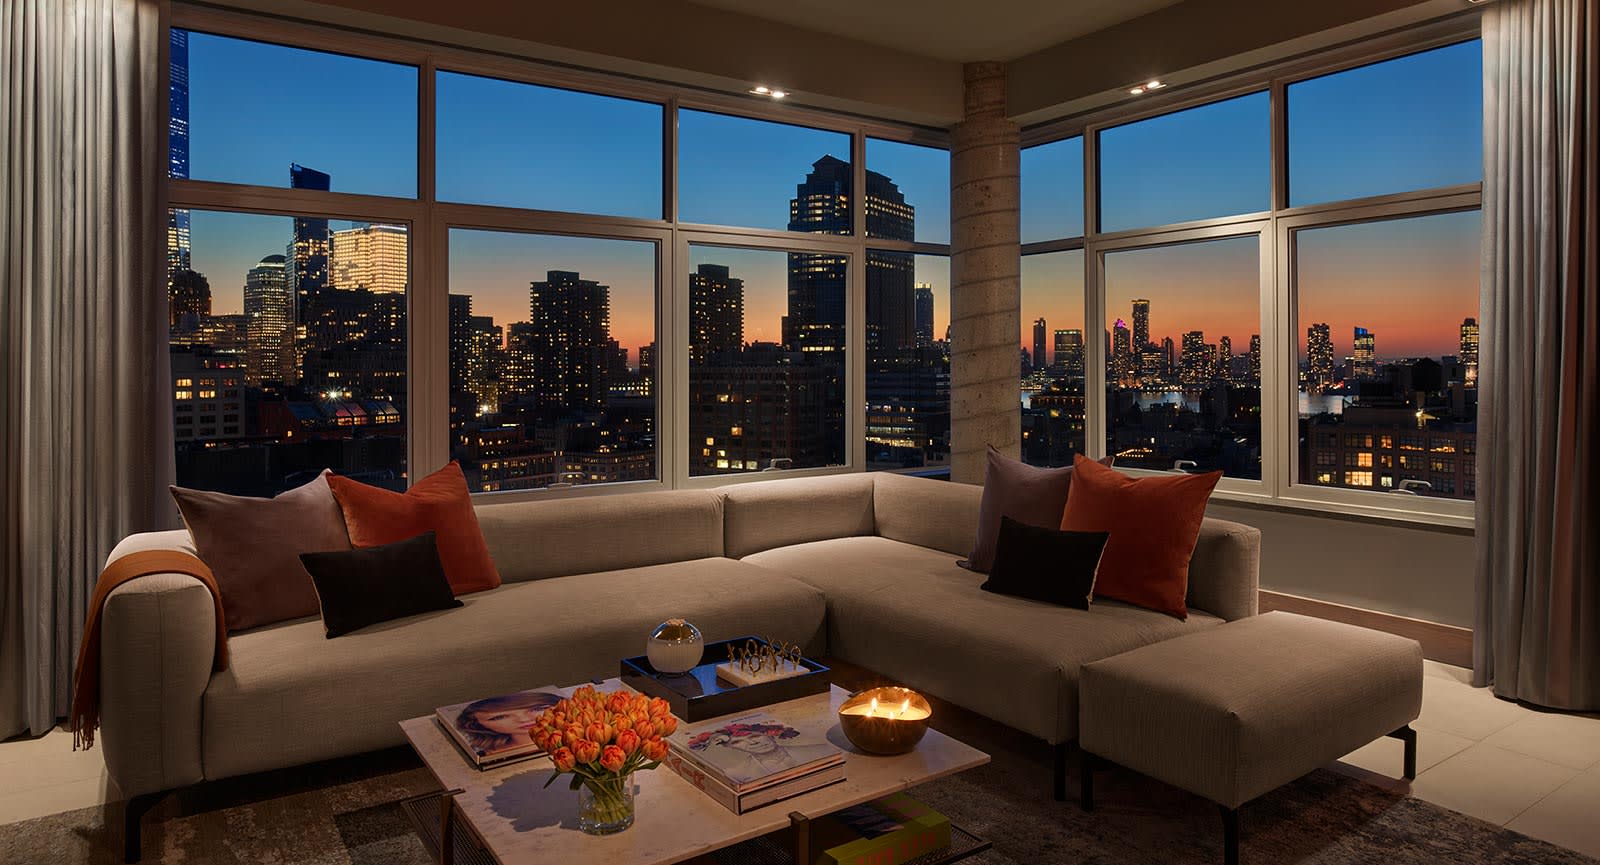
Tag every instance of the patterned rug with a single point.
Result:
(347, 812)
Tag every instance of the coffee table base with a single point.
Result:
(431, 819)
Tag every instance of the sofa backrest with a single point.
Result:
(765, 514)
(557, 538)
(931, 513)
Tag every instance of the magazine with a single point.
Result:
(889, 831)
(753, 751)
(493, 731)
(740, 803)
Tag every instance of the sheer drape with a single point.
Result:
(1538, 622)
(85, 425)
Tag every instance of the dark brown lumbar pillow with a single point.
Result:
(1047, 565)
(253, 547)
(1030, 495)
(369, 585)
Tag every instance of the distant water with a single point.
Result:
(1310, 404)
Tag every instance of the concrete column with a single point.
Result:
(985, 277)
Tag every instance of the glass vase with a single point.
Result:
(605, 806)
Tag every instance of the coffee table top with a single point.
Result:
(520, 821)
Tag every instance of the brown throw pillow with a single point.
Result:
(253, 548)
(1030, 495)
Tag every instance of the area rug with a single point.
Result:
(348, 812)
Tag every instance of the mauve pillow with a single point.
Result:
(253, 547)
(1030, 495)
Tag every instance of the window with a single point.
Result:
(1388, 335)
(255, 113)
(1052, 358)
(908, 192)
(1052, 190)
(552, 359)
(1414, 122)
(310, 314)
(760, 174)
(1183, 370)
(908, 361)
(766, 359)
(1212, 160)
(522, 145)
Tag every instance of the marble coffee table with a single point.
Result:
(519, 821)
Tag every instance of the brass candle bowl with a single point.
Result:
(889, 720)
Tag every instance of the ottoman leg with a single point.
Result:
(1086, 763)
(1230, 835)
(1409, 737)
(1060, 786)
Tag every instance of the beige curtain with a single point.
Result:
(1538, 619)
(85, 426)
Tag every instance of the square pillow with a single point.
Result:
(1154, 524)
(369, 585)
(1047, 565)
(1030, 495)
(438, 503)
(253, 546)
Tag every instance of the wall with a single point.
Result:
(1416, 571)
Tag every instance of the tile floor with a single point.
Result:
(1535, 772)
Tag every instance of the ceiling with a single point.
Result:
(959, 30)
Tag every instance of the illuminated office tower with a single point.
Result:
(308, 250)
(1121, 351)
(1469, 351)
(1040, 358)
(373, 257)
(1195, 362)
(269, 322)
(1141, 324)
(1319, 358)
(1365, 356)
(1255, 357)
(716, 314)
(188, 300)
(1069, 352)
(1224, 366)
(177, 147)
(1169, 357)
(571, 329)
(924, 316)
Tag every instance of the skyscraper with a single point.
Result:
(1469, 352)
(1122, 361)
(1141, 324)
(716, 313)
(178, 148)
(924, 316)
(1040, 359)
(1319, 357)
(1366, 354)
(373, 257)
(1196, 360)
(1224, 367)
(308, 251)
(1255, 357)
(1169, 357)
(1069, 352)
(188, 300)
(269, 322)
(570, 319)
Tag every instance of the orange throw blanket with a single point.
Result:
(86, 681)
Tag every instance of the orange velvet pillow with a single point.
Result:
(438, 503)
(1154, 524)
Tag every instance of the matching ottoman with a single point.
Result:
(1237, 710)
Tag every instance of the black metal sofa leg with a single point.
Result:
(1086, 766)
(1060, 784)
(1230, 835)
(1409, 737)
(133, 814)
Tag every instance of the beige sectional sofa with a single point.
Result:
(859, 566)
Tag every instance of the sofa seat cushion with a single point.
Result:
(912, 614)
(291, 696)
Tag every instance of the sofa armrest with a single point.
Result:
(1225, 570)
(157, 644)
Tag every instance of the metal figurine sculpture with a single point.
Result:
(754, 657)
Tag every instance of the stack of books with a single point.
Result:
(754, 760)
(889, 831)
(495, 731)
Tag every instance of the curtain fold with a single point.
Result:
(1537, 634)
(85, 416)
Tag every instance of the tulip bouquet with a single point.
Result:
(601, 740)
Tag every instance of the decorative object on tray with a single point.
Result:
(601, 740)
(893, 830)
(495, 731)
(700, 694)
(760, 660)
(675, 646)
(888, 720)
(754, 760)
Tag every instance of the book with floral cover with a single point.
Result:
(494, 731)
(753, 751)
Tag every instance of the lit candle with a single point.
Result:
(887, 720)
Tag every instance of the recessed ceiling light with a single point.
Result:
(779, 94)
(761, 89)
(1154, 85)
(1137, 90)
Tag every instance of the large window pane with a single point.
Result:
(1052, 190)
(288, 350)
(1209, 161)
(1183, 357)
(552, 359)
(1415, 122)
(908, 361)
(1052, 358)
(766, 360)
(755, 173)
(908, 192)
(521, 145)
(1388, 354)
(254, 109)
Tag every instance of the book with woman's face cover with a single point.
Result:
(493, 731)
(754, 750)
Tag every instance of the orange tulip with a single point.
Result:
(613, 759)
(621, 721)
(654, 749)
(645, 729)
(629, 742)
(668, 725)
(596, 732)
(564, 759)
(572, 735)
(586, 751)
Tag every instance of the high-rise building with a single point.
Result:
(1319, 357)
(716, 313)
(1224, 365)
(1122, 361)
(571, 330)
(177, 147)
(460, 337)
(1365, 356)
(1194, 366)
(1169, 357)
(1469, 352)
(1040, 359)
(1255, 357)
(269, 322)
(647, 366)
(1141, 324)
(891, 301)
(1069, 352)
(188, 300)
(924, 316)
(308, 250)
(517, 379)
(373, 257)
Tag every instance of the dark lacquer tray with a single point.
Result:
(699, 694)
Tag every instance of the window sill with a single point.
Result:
(1451, 523)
